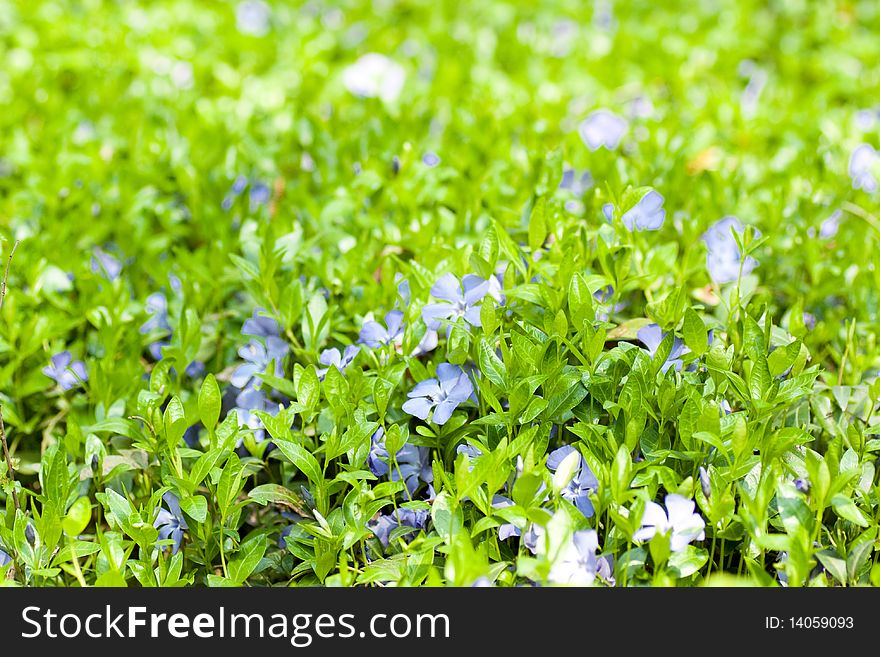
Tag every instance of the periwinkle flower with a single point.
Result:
(576, 564)
(104, 263)
(66, 372)
(413, 462)
(584, 482)
(802, 485)
(375, 76)
(171, 523)
(678, 518)
(259, 195)
(864, 162)
(461, 299)
(4, 558)
(247, 402)
(647, 214)
(252, 17)
(157, 307)
(830, 226)
(259, 326)
(705, 485)
(430, 159)
(602, 128)
(508, 529)
(443, 394)
(374, 335)
(724, 259)
(334, 358)
(385, 524)
(482, 582)
(258, 358)
(577, 183)
(651, 336)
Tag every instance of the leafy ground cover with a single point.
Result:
(407, 293)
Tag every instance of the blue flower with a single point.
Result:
(462, 300)
(576, 564)
(171, 524)
(678, 519)
(332, 357)
(413, 462)
(577, 184)
(259, 195)
(373, 334)
(830, 226)
(651, 336)
(430, 159)
(724, 258)
(259, 326)
(582, 484)
(157, 307)
(602, 128)
(385, 524)
(451, 387)
(247, 402)
(252, 17)
(104, 263)
(863, 163)
(68, 373)
(4, 558)
(647, 214)
(258, 358)
(508, 529)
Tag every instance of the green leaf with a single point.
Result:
(247, 558)
(538, 224)
(209, 402)
(303, 460)
(694, 332)
(847, 509)
(196, 507)
(78, 517)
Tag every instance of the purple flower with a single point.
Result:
(385, 524)
(647, 214)
(4, 558)
(802, 485)
(171, 523)
(451, 387)
(247, 402)
(68, 373)
(576, 564)
(678, 518)
(602, 128)
(332, 357)
(259, 326)
(577, 184)
(374, 335)
(582, 484)
(252, 17)
(724, 258)
(462, 300)
(157, 307)
(103, 262)
(863, 163)
(508, 529)
(430, 159)
(651, 336)
(413, 462)
(258, 358)
(259, 195)
(830, 226)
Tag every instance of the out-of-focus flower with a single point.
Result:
(584, 482)
(333, 358)
(430, 159)
(374, 335)
(705, 485)
(252, 17)
(482, 582)
(258, 195)
(864, 162)
(602, 128)
(451, 387)
(678, 518)
(651, 336)
(802, 485)
(461, 299)
(259, 326)
(577, 183)
(375, 76)
(68, 373)
(258, 358)
(647, 214)
(385, 524)
(104, 263)
(576, 563)
(171, 523)
(724, 258)
(413, 462)
(830, 226)
(247, 402)
(157, 307)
